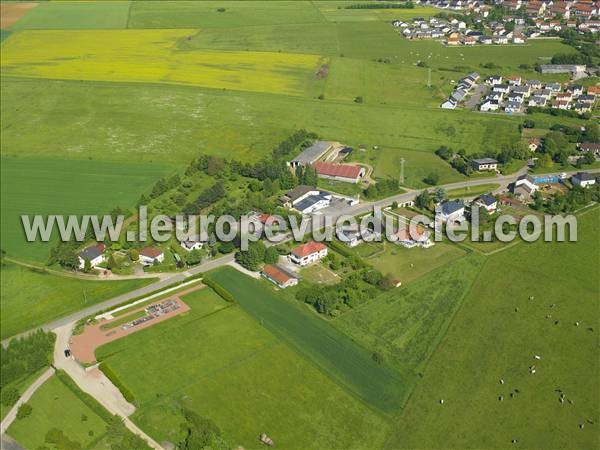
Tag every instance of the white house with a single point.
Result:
(488, 202)
(151, 255)
(94, 254)
(489, 105)
(449, 104)
(418, 238)
(308, 253)
(484, 164)
(583, 179)
(194, 243)
(453, 210)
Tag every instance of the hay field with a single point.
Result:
(150, 56)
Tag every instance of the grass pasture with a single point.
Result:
(406, 324)
(225, 360)
(55, 405)
(148, 122)
(496, 335)
(408, 264)
(45, 186)
(75, 15)
(31, 298)
(472, 191)
(206, 14)
(148, 56)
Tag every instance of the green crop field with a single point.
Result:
(342, 359)
(225, 359)
(55, 405)
(496, 335)
(45, 186)
(31, 297)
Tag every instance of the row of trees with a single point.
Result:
(21, 358)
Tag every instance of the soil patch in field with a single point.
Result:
(10, 13)
(83, 346)
(323, 71)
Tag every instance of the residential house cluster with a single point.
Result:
(514, 95)
(461, 91)
(455, 32)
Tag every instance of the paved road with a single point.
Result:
(12, 414)
(95, 383)
(148, 289)
(356, 210)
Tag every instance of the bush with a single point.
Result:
(24, 411)
(9, 396)
(219, 290)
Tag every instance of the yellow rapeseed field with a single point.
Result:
(151, 56)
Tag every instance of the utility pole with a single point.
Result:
(401, 180)
(429, 77)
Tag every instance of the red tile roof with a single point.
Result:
(404, 234)
(276, 274)
(150, 252)
(308, 249)
(594, 90)
(337, 170)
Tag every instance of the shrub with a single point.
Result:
(24, 411)
(219, 290)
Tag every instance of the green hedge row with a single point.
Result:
(219, 290)
(117, 382)
(86, 398)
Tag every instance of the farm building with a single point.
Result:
(562, 68)
(151, 255)
(306, 199)
(590, 147)
(484, 164)
(583, 179)
(94, 254)
(341, 172)
(308, 253)
(311, 154)
(279, 276)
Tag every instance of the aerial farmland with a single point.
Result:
(142, 112)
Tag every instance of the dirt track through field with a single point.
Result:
(10, 13)
(84, 345)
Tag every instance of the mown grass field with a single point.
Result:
(225, 366)
(406, 324)
(56, 406)
(31, 298)
(488, 341)
(472, 191)
(147, 56)
(75, 15)
(44, 185)
(408, 264)
(344, 361)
